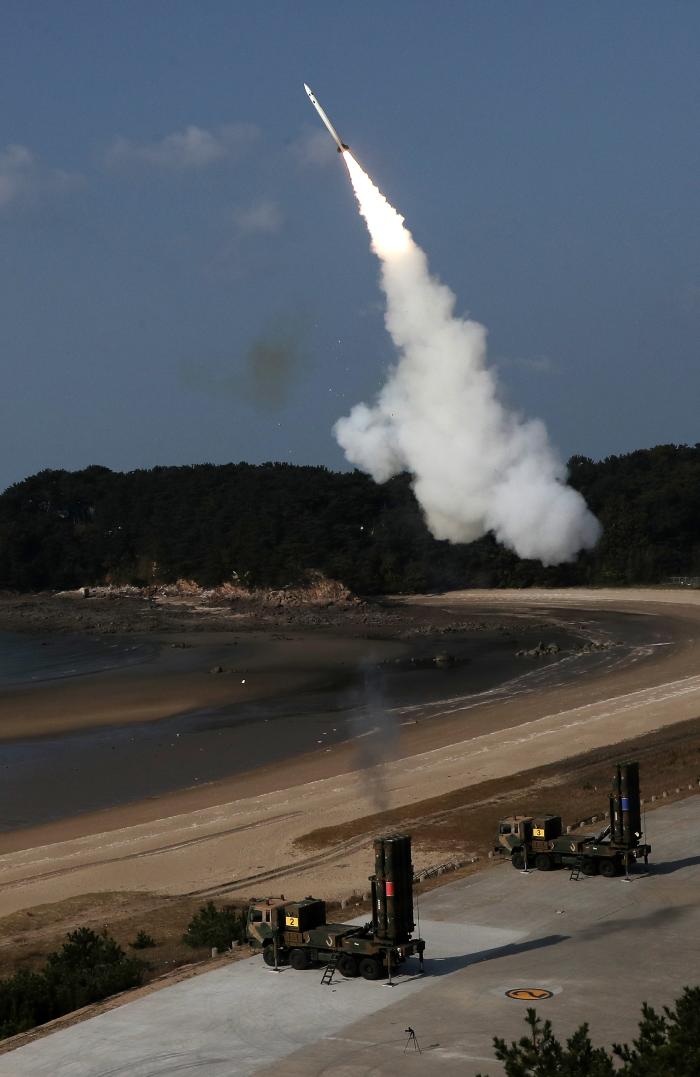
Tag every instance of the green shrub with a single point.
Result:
(215, 927)
(143, 941)
(668, 1045)
(25, 1001)
(87, 968)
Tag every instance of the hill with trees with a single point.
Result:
(268, 525)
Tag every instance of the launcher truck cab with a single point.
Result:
(297, 933)
(540, 841)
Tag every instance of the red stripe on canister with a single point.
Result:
(389, 888)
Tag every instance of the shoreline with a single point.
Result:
(179, 844)
(148, 738)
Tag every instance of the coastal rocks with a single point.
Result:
(222, 669)
(542, 650)
(442, 660)
(317, 590)
(444, 630)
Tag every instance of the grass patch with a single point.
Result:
(464, 821)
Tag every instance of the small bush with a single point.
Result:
(143, 941)
(88, 967)
(215, 927)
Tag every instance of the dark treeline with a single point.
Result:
(269, 524)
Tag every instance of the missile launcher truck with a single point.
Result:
(296, 932)
(529, 841)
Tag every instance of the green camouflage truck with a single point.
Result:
(540, 842)
(296, 933)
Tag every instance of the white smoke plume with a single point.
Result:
(476, 466)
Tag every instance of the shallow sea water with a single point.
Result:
(29, 659)
(48, 778)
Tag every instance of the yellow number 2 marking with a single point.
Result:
(529, 994)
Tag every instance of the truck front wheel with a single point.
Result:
(347, 966)
(590, 866)
(608, 868)
(299, 960)
(517, 859)
(370, 968)
(543, 862)
(269, 956)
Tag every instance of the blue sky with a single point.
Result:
(183, 273)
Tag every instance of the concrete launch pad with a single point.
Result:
(599, 947)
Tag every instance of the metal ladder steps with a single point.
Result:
(330, 968)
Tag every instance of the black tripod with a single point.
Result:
(412, 1039)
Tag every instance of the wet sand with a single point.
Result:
(173, 676)
(76, 739)
(230, 833)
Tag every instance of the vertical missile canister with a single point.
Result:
(392, 889)
(615, 812)
(625, 806)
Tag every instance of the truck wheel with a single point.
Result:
(269, 956)
(543, 862)
(347, 966)
(590, 867)
(608, 868)
(299, 960)
(517, 859)
(370, 968)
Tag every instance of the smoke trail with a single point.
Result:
(476, 466)
(375, 736)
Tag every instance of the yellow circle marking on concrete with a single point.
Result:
(529, 994)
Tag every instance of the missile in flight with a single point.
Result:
(327, 123)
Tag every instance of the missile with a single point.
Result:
(327, 123)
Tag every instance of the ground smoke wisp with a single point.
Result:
(476, 466)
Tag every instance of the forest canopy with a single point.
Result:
(268, 525)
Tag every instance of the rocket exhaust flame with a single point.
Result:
(476, 466)
(386, 226)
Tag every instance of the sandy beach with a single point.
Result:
(94, 722)
(232, 834)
